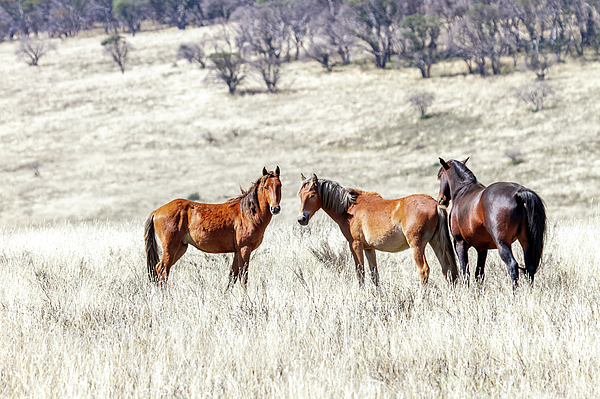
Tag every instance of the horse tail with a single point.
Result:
(152, 257)
(442, 245)
(536, 224)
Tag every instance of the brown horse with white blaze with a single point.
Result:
(236, 226)
(371, 223)
(492, 217)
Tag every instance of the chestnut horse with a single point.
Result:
(492, 217)
(236, 226)
(371, 223)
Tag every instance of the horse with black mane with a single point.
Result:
(492, 217)
(236, 226)
(371, 223)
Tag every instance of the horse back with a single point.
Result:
(487, 215)
(389, 225)
(208, 227)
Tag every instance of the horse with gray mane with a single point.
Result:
(371, 223)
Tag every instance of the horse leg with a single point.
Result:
(356, 248)
(234, 272)
(507, 257)
(419, 255)
(530, 266)
(479, 271)
(172, 252)
(243, 262)
(370, 254)
(462, 251)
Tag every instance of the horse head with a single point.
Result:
(450, 174)
(272, 189)
(310, 200)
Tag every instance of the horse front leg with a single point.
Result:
(462, 252)
(243, 262)
(356, 247)
(235, 271)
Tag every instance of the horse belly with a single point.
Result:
(387, 241)
(212, 241)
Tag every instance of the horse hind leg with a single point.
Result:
(356, 248)
(370, 255)
(505, 252)
(530, 264)
(419, 256)
(172, 252)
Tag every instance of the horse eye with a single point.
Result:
(312, 196)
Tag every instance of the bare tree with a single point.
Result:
(228, 62)
(31, 50)
(333, 28)
(421, 35)
(537, 60)
(265, 32)
(193, 52)
(534, 94)
(377, 24)
(324, 54)
(118, 48)
(421, 100)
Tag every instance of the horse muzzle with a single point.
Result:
(303, 218)
(275, 210)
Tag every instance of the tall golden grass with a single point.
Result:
(79, 319)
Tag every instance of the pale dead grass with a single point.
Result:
(78, 319)
(115, 146)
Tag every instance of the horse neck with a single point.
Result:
(339, 218)
(459, 187)
(264, 211)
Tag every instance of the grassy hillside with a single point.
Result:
(116, 146)
(79, 319)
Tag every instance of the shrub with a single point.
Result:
(31, 50)
(421, 100)
(229, 68)
(193, 52)
(118, 48)
(534, 94)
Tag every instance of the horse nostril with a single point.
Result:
(275, 209)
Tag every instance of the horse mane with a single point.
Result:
(334, 196)
(248, 200)
(464, 176)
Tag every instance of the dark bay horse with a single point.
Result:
(371, 223)
(492, 217)
(236, 226)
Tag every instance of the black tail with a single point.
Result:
(442, 246)
(536, 225)
(152, 257)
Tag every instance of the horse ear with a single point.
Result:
(315, 179)
(265, 171)
(302, 176)
(444, 164)
(277, 171)
(465, 161)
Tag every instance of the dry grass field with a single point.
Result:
(79, 319)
